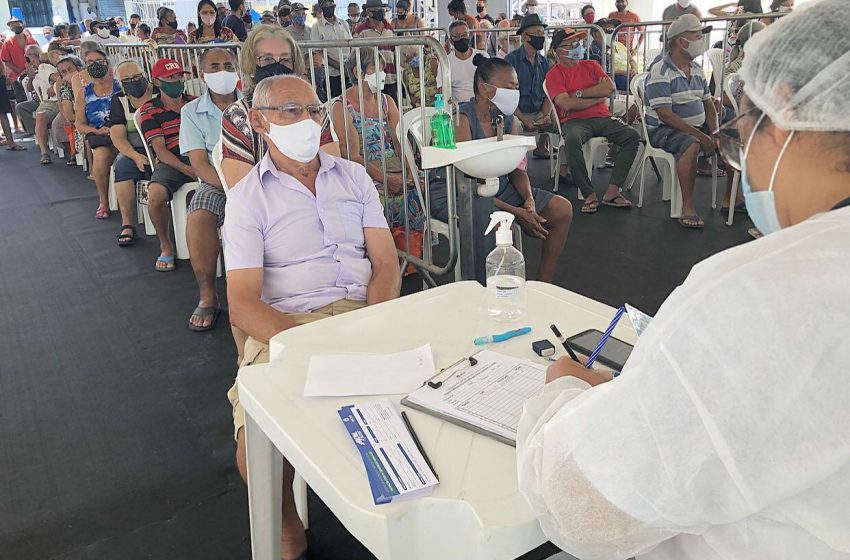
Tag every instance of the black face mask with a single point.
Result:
(133, 25)
(17, 29)
(172, 24)
(536, 42)
(479, 9)
(620, 7)
(461, 45)
(135, 87)
(377, 15)
(269, 70)
(97, 69)
(401, 17)
(329, 12)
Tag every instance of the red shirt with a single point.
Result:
(368, 24)
(626, 17)
(13, 52)
(585, 74)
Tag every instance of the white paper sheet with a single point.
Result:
(488, 395)
(342, 375)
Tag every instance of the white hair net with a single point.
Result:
(798, 70)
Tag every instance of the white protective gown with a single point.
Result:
(727, 436)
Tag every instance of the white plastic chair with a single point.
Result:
(412, 122)
(112, 195)
(590, 148)
(736, 177)
(216, 162)
(179, 204)
(670, 179)
(715, 58)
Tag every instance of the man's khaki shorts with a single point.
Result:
(257, 352)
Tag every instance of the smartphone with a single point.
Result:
(614, 354)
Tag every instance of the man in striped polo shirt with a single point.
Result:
(680, 114)
(159, 120)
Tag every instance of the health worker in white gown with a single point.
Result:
(727, 436)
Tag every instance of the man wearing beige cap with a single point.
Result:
(680, 114)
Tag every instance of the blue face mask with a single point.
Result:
(761, 205)
(576, 53)
(299, 20)
(414, 62)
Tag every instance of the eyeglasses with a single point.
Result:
(459, 37)
(267, 59)
(728, 140)
(291, 112)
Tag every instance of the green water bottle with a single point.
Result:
(442, 128)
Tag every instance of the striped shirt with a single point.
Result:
(157, 121)
(667, 86)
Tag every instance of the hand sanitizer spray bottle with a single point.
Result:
(505, 272)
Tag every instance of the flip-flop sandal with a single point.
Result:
(167, 260)
(127, 239)
(625, 204)
(16, 148)
(707, 172)
(205, 312)
(590, 207)
(684, 222)
(45, 159)
(102, 212)
(740, 208)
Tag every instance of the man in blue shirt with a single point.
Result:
(680, 114)
(535, 110)
(200, 130)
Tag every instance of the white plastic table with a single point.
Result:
(476, 512)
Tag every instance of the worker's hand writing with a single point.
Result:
(566, 366)
(531, 223)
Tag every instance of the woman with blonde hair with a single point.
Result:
(267, 51)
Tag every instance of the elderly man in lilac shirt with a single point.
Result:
(304, 238)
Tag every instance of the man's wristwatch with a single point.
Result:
(578, 94)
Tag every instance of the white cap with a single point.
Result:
(504, 235)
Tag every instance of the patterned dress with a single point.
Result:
(394, 204)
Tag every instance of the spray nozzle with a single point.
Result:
(504, 235)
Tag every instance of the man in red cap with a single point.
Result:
(580, 90)
(159, 119)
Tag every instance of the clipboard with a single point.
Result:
(484, 393)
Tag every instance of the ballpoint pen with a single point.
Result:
(563, 340)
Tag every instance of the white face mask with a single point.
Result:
(103, 33)
(684, 3)
(507, 100)
(609, 39)
(697, 47)
(785, 9)
(299, 141)
(222, 83)
(375, 81)
(531, 9)
(207, 19)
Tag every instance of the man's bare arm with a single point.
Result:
(385, 283)
(248, 311)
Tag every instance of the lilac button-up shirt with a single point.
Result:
(311, 248)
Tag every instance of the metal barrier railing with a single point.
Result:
(435, 32)
(400, 49)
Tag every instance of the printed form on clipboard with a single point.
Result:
(486, 397)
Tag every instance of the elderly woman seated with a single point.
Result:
(365, 120)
